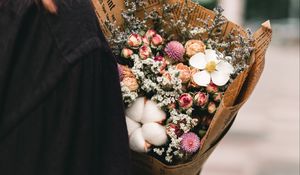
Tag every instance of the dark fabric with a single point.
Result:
(61, 110)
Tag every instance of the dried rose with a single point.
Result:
(211, 108)
(185, 101)
(156, 40)
(126, 53)
(150, 33)
(146, 40)
(167, 78)
(145, 52)
(194, 46)
(212, 88)
(218, 97)
(184, 72)
(134, 40)
(131, 83)
(201, 99)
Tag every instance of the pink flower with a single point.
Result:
(134, 40)
(145, 52)
(150, 33)
(185, 101)
(146, 40)
(175, 51)
(212, 88)
(156, 40)
(201, 99)
(184, 72)
(126, 53)
(212, 108)
(190, 142)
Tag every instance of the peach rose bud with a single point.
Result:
(212, 88)
(184, 72)
(134, 40)
(150, 33)
(194, 46)
(201, 99)
(156, 40)
(212, 108)
(126, 53)
(145, 52)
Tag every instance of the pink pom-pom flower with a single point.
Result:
(190, 142)
(175, 51)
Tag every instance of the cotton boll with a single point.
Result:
(137, 142)
(152, 113)
(131, 125)
(135, 112)
(154, 133)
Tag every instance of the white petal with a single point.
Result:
(198, 61)
(155, 134)
(131, 125)
(211, 55)
(137, 142)
(225, 67)
(135, 112)
(202, 78)
(220, 78)
(152, 113)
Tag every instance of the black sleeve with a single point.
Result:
(61, 110)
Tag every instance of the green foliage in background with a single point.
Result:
(210, 4)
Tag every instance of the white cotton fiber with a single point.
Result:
(137, 142)
(152, 113)
(154, 133)
(135, 112)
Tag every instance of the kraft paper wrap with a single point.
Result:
(235, 96)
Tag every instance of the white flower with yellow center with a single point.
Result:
(211, 68)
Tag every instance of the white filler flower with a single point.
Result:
(211, 68)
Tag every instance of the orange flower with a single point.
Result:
(184, 72)
(194, 46)
(131, 83)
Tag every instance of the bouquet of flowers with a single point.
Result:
(185, 72)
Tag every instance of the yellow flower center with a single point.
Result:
(211, 66)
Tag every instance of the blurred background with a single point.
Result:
(264, 139)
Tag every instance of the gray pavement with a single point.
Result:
(264, 139)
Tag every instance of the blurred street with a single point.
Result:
(264, 139)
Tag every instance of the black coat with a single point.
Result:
(61, 110)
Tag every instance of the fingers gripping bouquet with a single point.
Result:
(185, 72)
